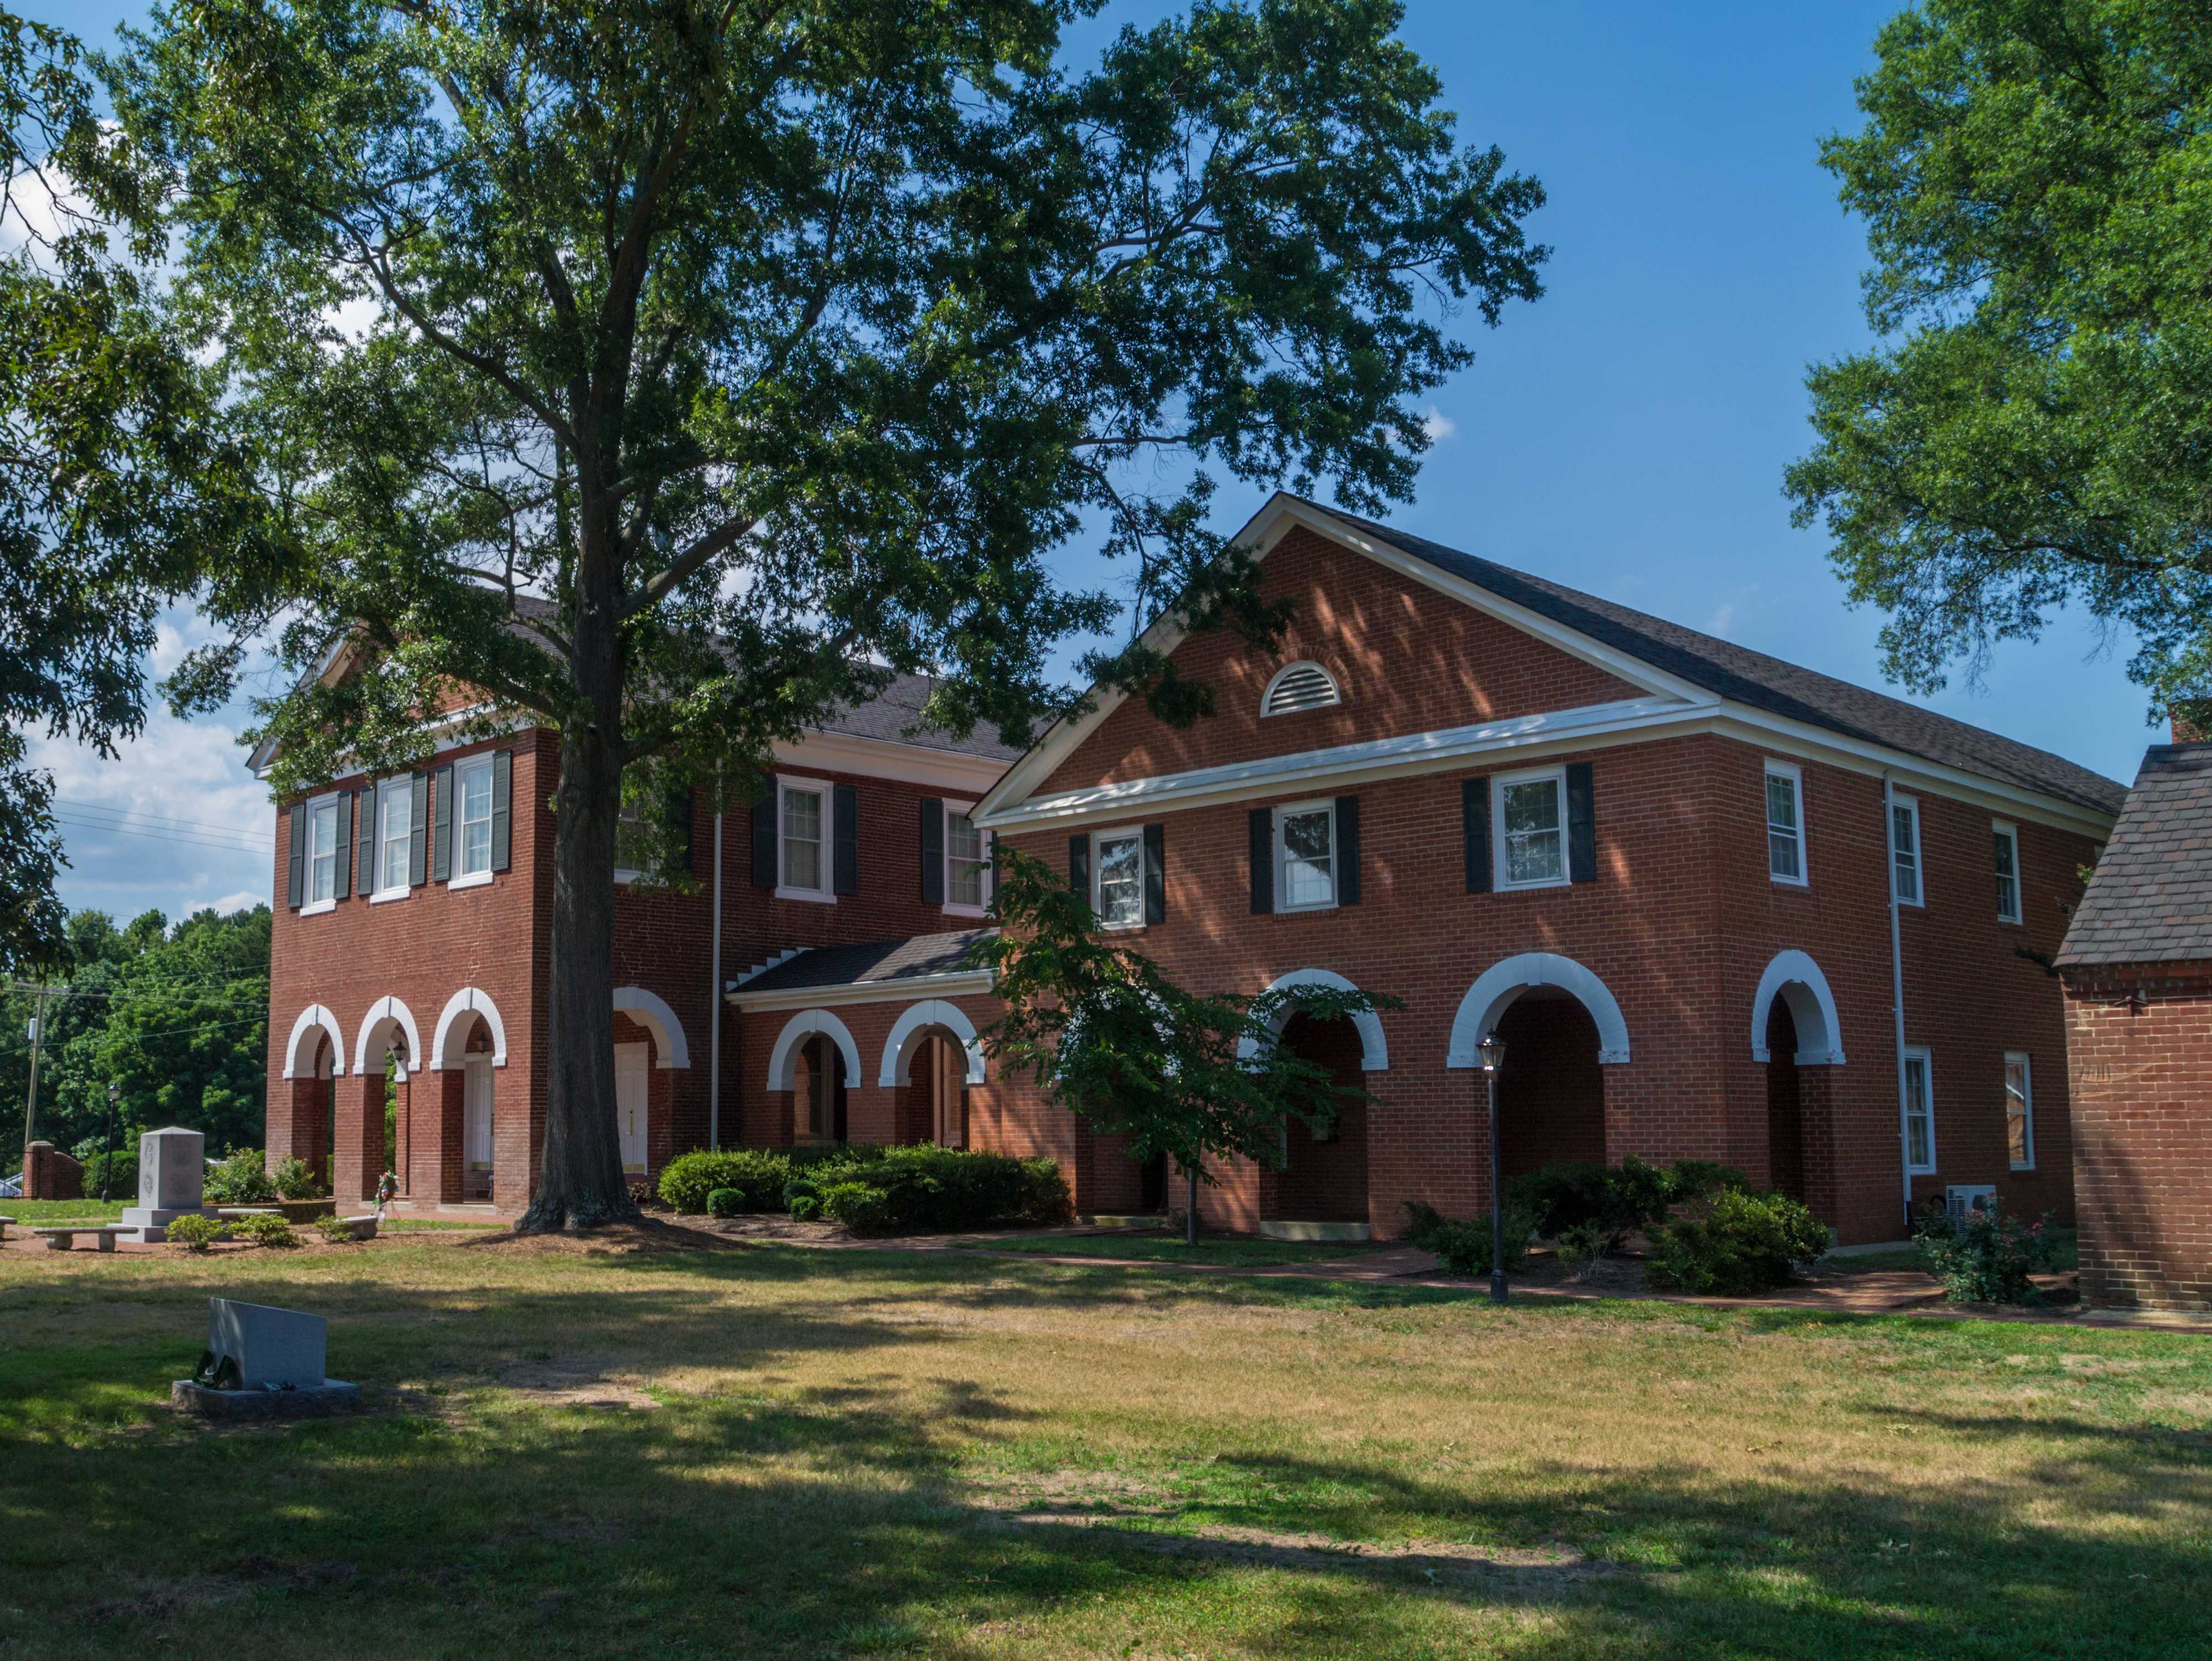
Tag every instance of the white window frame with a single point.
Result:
(462, 771)
(1794, 776)
(629, 813)
(1501, 865)
(955, 907)
(2026, 1108)
(1326, 807)
(1267, 698)
(2005, 831)
(398, 788)
(1098, 840)
(826, 893)
(1917, 1053)
(1909, 804)
(310, 906)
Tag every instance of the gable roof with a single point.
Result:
(1671, 654)
(2150, 901)
(1745, 677)
(874, 962)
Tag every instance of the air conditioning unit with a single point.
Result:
(1961, 1199)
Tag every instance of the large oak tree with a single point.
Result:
(772, 345)
(2035, 429)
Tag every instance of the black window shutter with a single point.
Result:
(441, 826)
(1262, 823)
(1155, 874)
(1582, 825)
(764, 872)
(1474, 814)
(295, 881)
(845, 867)
(342, 866)
(933, 851)
(1078, 867)
(1347, 851)
(502, 803)
(678, 818)
(365, 868)
(418, 829)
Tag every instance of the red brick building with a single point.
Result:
(2137, 962)
(1679, 878)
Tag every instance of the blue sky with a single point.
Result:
(1626, 435)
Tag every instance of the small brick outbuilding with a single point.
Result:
(2137, 965)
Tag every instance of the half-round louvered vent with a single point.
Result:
(1301, 686)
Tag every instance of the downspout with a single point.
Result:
(1896, 984)
(714, 990)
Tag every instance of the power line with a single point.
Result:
(241, 846)
(141, 813)
(170, 1031)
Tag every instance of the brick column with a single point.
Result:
(357, 1154)
(1816, 1116)
(436, 1103)
(300, 1124)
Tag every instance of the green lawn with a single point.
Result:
(76, 1210)
(1238, 1253)
(775, 1452)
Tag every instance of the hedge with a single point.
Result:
(871, 1190)
(756, 1175)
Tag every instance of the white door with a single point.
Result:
(630, 1062)
(475, 1114)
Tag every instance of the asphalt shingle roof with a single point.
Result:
(2150, 901)
(886, 960)
(1750, 677)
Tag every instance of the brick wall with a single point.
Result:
(2141, 1043)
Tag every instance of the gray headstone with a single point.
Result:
(172, 1166)
(273, 1348)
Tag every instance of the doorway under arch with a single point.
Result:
(1786, 1104)
(1551, 1090)
(819, 1097)
(1323, 1177)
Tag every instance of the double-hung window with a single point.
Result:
(2004, 854)
(1785, 823)
(1305, 856)
(967, 860)
(1530, 833)
(2020, 1111)
(1919, 1114)
(323, 854)
(633, 843)
(803, 838)
(471, 811)
(395, 823)
(1904, 850)
(1117, 878)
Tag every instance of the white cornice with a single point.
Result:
(1380, 758)
(959, 983)
(888, 758)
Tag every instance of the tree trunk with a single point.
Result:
(580, 1179)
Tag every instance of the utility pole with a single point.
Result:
(31, 1099)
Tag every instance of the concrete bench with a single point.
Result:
(62, 1237)
(230, 1212)
(364, 1226)
(5, 1221)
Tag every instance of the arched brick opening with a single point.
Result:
(933, 1096)
(1786, 1104)
(820, 1099)
(1551, 1092)
(1323, 1177)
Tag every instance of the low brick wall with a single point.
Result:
(50, 1174)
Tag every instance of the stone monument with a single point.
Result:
(261, 1363)
(172, 1166)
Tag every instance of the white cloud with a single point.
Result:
(242, 900)
(1439, 426)
(1719, 621)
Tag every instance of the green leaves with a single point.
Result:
(1113, 1038)
(2037, 184)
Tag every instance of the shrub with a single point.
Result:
(1694, 1181)
(1577, 1194)
(802, 1198)
(1462, 1246)
(1582, 1248)
(240, 1179)
(726, 1202)
(197, 1234)
(757, 1173)
(925, 1189)
(1735, 1243)
(1984, 1257)
(263, 1230)
(294, 1179)
(122, 1171)
(337, 1230)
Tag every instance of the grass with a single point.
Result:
(1249, 1253)
(774, 1452)
(76, 1210)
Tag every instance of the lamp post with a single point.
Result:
(1492, 1049)
(107, 1163)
